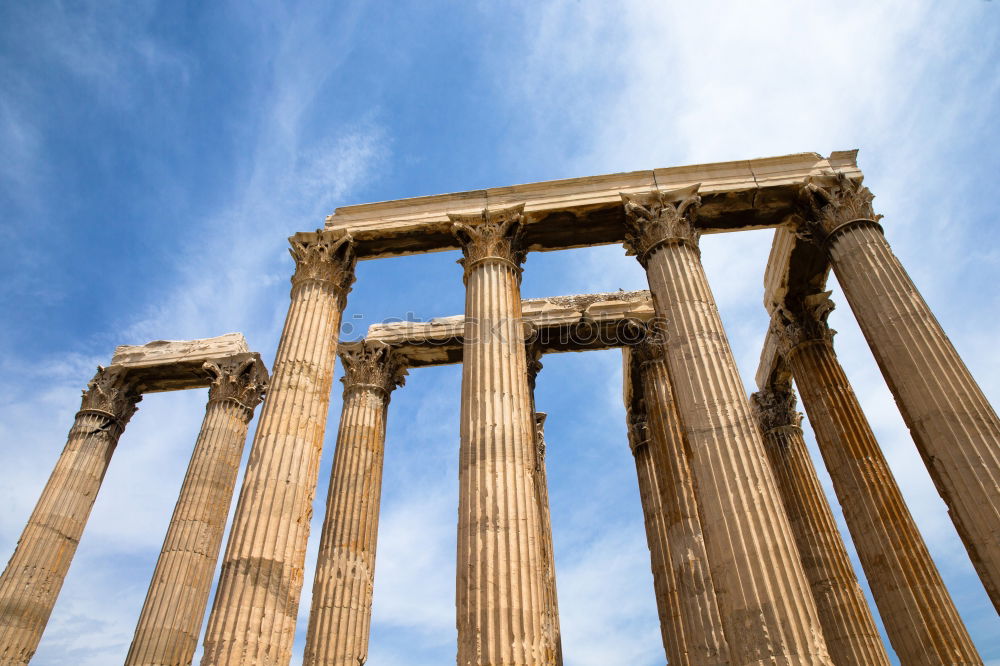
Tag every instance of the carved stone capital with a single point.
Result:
(241, 379)
(371, 365)
(774, 407)
(638, 428)
(832, 203)
(492, 234)
(539, 439)
(805, 324)
(112, 393)
(659, 218)
(533, 352)
(326, 259)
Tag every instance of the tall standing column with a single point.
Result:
(500, 587)
(340, 618)
(551, 612)
(688, 570)
(767, 609)
(848, 625)
(917, 611)
(35, 573)
(955, 429)
(253, 616)
(171, 617)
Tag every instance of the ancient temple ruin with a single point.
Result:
(748, 565)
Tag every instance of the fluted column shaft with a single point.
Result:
(767, 610)
(500, 587)
(917, 611)
(954, 427)
(253, 616)
(171, 617)
(551, 612)
(688, 570)
(340, 618)
(35, 573)
(848, 625)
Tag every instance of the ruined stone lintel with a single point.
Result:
(657, 218)
(491, 235)
(172, 365)
(583, 212)
(558, 324)
(324, 257)
(370, 364)
(833, 203)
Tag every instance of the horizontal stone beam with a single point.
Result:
(579, 212)
(557, 324)
(172, 365)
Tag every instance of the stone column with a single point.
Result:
(848, 625)
(171, 617)
(918, 614)
(767, 609)
(340, 619)
(688, 573)
(500, 587)
(253, 616)
(955, 429)
(35, 573)
(551, 612)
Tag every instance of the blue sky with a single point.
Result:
(155, 156)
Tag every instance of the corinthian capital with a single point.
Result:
(539, 439)
(241, 378)
(832, 202)
(492, 234)
(774, 407)
(659, 217)
(371, 364)
(805, 324)
(638, 428)
(325, 258)
(112, 393)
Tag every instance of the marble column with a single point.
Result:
(35, 573)
(256, 603)
(340, 618)
(501, 583)
(688, 571)
(551, 612)
(916, 609)
(955, 428)
(848, 625)
(767, 609)
(171, 617)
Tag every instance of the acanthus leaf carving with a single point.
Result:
(539, 440)
(774, 407)
(638, 426)
(241, 378)
(491, 234)
(806, 323)
(371, 364)
(327, 259)
(831, 202)
(657, 218)
(111, 392)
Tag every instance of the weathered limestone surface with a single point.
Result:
(256, 603)
(500, 587)
(170, 365)
(955, 428)
(688, 574)
(579, 212)
(340, 619)
(917, 611)
(35, 573)
(171, 617)
(848, 625)
(767, 609)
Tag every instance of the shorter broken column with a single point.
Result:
(31, 582)
(172, 615)
(851, 634)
